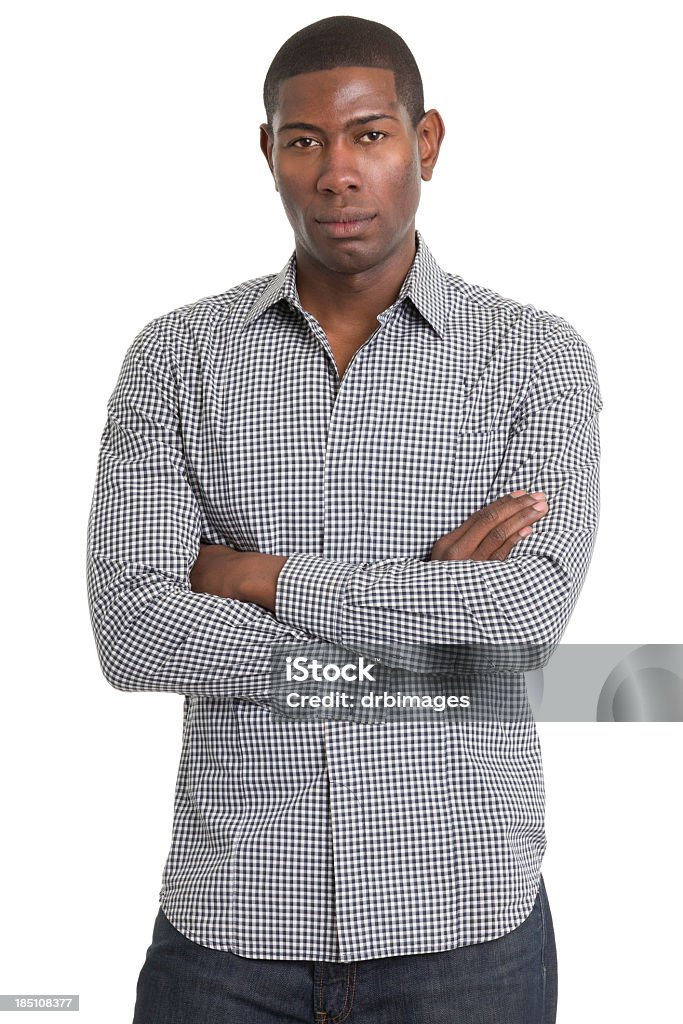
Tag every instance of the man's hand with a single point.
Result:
(241, 575)
(492, 532)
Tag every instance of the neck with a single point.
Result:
(332, 296)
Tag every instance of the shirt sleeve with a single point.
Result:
(526, 599)
(152, 631)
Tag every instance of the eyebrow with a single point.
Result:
(304, 126)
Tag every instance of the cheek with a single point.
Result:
(292, 185)
(400, 184)
(291, 210)
(287, 196)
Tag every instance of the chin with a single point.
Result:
(348, 257)
(353, 263)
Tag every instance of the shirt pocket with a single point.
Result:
(405, 490)
(475, 467)
(418, 490)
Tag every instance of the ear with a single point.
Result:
(267, 149)
(430, 132)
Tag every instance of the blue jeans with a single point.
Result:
(510, 980)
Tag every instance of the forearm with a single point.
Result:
(417, 613)
(522, 604)
(156, 634)
(249, 576)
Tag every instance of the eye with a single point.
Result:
(296, 142)
(373, 132)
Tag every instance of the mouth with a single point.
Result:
(348, 223)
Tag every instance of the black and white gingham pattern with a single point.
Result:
(228, 424)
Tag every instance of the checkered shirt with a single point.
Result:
(342, 840)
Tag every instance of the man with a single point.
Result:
(361, 450)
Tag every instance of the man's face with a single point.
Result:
(348, 164)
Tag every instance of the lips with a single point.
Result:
(344, 215)
(345, 222)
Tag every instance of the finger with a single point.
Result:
(501, 553)
(506, 501)
(461, 543)
(501, 533)
(495, 515)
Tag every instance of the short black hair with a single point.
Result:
(344, 41)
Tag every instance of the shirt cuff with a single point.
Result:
(309, 594)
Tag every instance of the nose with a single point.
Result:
(340, 168)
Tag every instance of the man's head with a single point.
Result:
(348, 141)
(344, 42)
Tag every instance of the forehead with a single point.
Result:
(336, 95)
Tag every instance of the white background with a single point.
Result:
(134, 184)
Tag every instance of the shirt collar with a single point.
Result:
(426, 285)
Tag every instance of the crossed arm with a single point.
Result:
(490, 533)
(170, 614)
